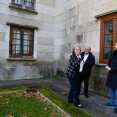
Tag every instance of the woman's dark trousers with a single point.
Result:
(74, 91)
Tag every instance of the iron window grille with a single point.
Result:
(25, 4)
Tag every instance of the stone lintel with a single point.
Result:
(105, 14)
(19, 25)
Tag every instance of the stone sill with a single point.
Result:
(100, 65)
(24, 10)
(21, 59)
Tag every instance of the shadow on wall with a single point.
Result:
(61, 74)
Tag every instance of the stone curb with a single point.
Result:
(54, 104)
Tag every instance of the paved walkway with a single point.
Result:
(94, 104)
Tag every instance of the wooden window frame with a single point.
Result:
(106, 19)
(31, 41)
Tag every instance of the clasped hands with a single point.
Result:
(108, 68)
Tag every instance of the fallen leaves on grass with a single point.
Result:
(9, 115)
(63, 93)
(46, 108)
(48, 104)
(44, 100)
(22, 95)
(1, 105)
(7, 101)
(12, 93)
(32, 95)
(1, 96)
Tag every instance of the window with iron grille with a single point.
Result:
(26, 4)
(21, 42)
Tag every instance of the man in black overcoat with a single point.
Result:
(88, 61)
(112, 78)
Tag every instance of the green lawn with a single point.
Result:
(32, 107)
(27, 105)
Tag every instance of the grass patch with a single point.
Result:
(13, 89)
(73, 111)
(21, 104)
(55, 77)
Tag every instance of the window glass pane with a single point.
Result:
(18, 1)
(18, 42)
(17, 47)
(29, 3)
(108, 40)
(26, 36)
(108, 27)
(107, 53)
(25, 47)
(17, 52)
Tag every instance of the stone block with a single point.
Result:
(60, 34)
(81, 29)
(67, 56)
(60, 26)
(59, 18)
(93, 25)
(59, 49)
(45, 48)
(2, 45)
(60, 41)
(2, 28)
(74, 21)
(49, 3)
(82, 7)
(80, 39)
(46, 34)
(49, 27)
(2, 36)
(93, 36)
(46, 18)
(46, 10)
(59, 56)
(106, 8)
(47, 56)
(45, 41)
(70, 13)
(3, 8)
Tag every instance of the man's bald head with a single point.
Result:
(87, 50)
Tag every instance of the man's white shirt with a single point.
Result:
(82, 62)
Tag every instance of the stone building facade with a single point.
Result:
(48, 30)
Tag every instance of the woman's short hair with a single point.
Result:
(73, 50)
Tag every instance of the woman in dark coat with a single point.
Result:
(72, 74)
(112, 78)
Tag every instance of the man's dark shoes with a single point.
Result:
(115, 111)
(80, 106)
(109, 105)
(70, 102)
(86, 95)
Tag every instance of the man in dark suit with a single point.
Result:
(112, 78)
(88, 61)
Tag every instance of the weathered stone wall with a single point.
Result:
(62, 25)
(43, 64)
(76, 24)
